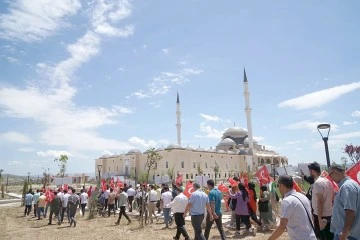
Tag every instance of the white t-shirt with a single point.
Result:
(153, 196)
(166, 197)
(106, 194)
(83, 198)
(65, 200)
(130, 192)
(299, 226)
(324, 186)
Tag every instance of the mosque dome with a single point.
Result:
(235, 132)
(242, 152)
(211, 150)
(221, 151)
(174, 146)
(105, 156)
(189, 148)
(160, 149)
(134, 151)
(227, 142)
(200, 150)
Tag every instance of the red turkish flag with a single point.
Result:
(232, 182)
(179, 180)
(244, 179)
(188, 189)
(50, 196)
(263, 175)
(354, 172)
(112, 183)
(89, 191)
(103, 185)
(223, 188)
(296, 187)
(119, 183)
(326, 175)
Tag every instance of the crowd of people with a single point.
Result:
(329, 210)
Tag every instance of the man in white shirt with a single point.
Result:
(178, 206)
(106, 195)
(158, 203)
(166, 198)
(295, 213)
(123, 198)
(64, 206)
(152, 203)
(83, 201)
(322, 202)
(131, 194)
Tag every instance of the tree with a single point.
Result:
(216, 169)
(62, 164)
(152, 159)
(2, 185)
(199, 169)
(45, 180)
(1, 175)
(353, 152)
(170, 172)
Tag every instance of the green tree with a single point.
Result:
(170, 172)
(152, 159)
(1, 175)
(199, 169)
(61, 162)
(216, 169)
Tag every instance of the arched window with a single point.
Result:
(206, 166)
(182, 164)
(166, 164)
(225, 175)
(194, 165)
(187, 176)
(192, 176)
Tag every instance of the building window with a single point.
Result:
(155, 165)
(225, 175)
(194, 165)
(182, 164)
(153, 177)
(166, 165)
(219, 175)
(206, 166)
(209, 175)
(117, 168)
(113, 160)
(200, 155)
(187, 176)
(192, 176)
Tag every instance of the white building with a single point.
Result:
(235, 153)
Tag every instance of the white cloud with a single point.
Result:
(106, 152)
(210, 118)
(187, 71)
(12, 60)
(209, 132)
(53, 153)
(15, 137)
(26, 149)
(259, 139)
(155, 104)
(349, 123)
(141, 143)
(13, 163)
(183, 63)
(356, 113)
(144, 46)
(320, 114)
(310, 125)
(139, 94)
(121, 69)
(346, 135)
(165, 51)
(319, 98)
(29, 21)
(296, 142)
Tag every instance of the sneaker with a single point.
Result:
(74, 223)
(174, 238)
(71, 222)
(237, 233)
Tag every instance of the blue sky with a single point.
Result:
(87, 78)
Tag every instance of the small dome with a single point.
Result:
(174, 146)
(160, 149)
(227, 142)
(229, 152)
(211, 150)
(134, 151)
(189, 148)
(235, 131)
(242, 152)
(200, 150)
(105, 156)
(221, 151)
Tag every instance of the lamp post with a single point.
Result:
(28, 177)
(99, 168)
(322, 128)
(273, 168)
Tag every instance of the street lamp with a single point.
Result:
(99, 167)
(322, 129)
(273, 168)
(28, 177)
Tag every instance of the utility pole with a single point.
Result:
(7, 182)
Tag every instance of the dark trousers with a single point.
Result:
(324, 234)
(83, 208)
(158, 206)
(180, 226)
(27, 210)
(35, 209)
(71, 215)
(245, 219)
(106, 203)
(111, 207)
(219, 225)
(130, 199)
(56, 213)
(255, 218)
(122, 212)
(63, 210)
(39, 211)
(196, 221)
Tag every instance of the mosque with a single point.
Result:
(235, 153)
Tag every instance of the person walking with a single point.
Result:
(73, 203)
(345, 220)
(55, 208)
(35, 200)
(166, 198)
(242, 209)
(295, 213)
(131, 195)
(178, 206)
(197, 204)
(322, 202)
(111, 202)
(83, 201)
(64, 206)
(41, 202)
(264, 208)
(215, 198)
(28, 199)
(106, 195)
(123, 198)
(252, 203)
(152, 203)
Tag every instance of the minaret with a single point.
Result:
(248, 114)
(178, 116)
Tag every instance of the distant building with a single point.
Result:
(235, 153)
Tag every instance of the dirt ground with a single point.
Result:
(13, 225)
